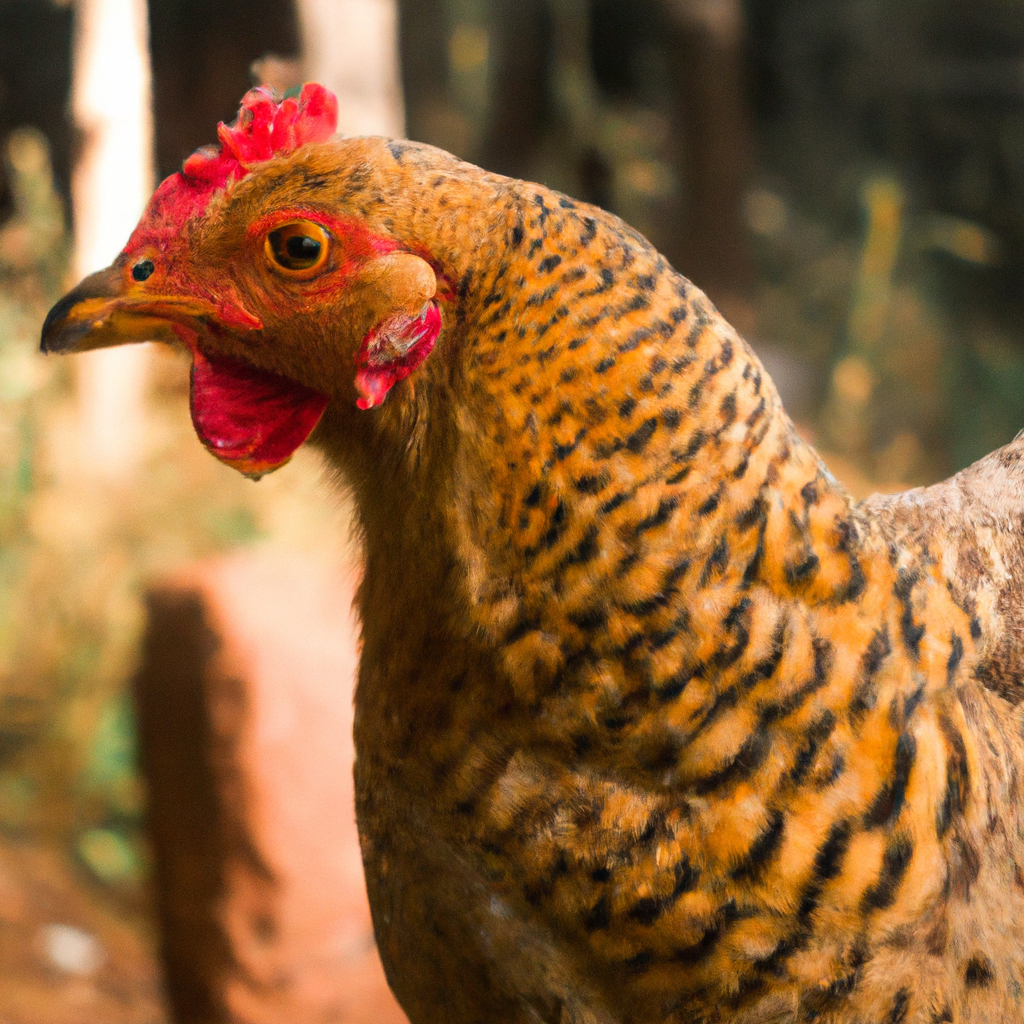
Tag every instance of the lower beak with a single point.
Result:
(98, 314)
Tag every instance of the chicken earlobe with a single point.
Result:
(396, 345)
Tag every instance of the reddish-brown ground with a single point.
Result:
(65, 956)
(245, 700)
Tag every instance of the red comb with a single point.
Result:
(264, 128)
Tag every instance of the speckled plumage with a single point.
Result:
(653, 722)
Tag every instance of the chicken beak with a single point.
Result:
(98, 314)
(252, 419)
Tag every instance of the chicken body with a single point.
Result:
(680, 733)
(653, 723)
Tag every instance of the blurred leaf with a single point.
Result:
(110, 856)
(18, 794)
(111, 772)
(234, 525)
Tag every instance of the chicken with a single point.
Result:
(653, 722)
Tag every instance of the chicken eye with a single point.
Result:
(298, 249)
(143, 270)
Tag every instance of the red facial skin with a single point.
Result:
(250, 418)
(264, 128)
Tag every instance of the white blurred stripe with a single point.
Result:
(113, 179)
(351, 46)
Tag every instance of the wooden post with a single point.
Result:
(707, 57)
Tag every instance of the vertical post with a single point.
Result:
(351, 46)
(112, 180)
(707, 55)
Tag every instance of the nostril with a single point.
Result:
(143, 270)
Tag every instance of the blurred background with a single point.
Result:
(845, 179)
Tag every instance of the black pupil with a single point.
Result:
(142, 270)
(302, 248)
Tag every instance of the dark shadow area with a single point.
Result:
(202, 53)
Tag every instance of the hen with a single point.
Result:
(653, 722)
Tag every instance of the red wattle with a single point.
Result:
(251, 419)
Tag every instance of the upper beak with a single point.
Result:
(97, 314)
(101, 312)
